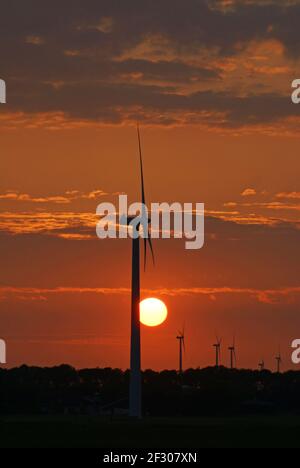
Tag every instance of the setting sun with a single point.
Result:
(153, 312)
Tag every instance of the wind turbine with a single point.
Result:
(135, 394)
(279, 361)
(217, 346)
(181, 338)
(231, 349)
(261, 365)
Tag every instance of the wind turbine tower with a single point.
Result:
(135, 395)
(181, 339)
(232, 352)
(217, 347)
(279, 361)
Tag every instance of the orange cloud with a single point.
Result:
(35, 40)
(78, 226)
(289, 195)
(248, 192)
(268, 296)
(67, 197)
(45, 222)
(273, 206)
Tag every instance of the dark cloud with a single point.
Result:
(185, 23)
(109, 102)
(57, 57)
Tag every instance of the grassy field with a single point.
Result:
(84, 432)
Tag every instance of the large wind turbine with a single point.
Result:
(135, 394)
(181, 339)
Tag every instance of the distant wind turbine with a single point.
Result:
(217, 346)
(181, 339)
(135, 397)
(232, 352)
(261, 365)
(279, 361)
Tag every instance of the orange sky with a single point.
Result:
(218, 127)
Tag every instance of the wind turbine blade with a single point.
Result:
(147, 236)
(151, 248)
(145, 253)
(141, 165)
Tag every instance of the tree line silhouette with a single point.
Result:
(195, 392)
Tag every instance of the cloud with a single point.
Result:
(271, 205)
(268, 296)
(248, 192)
(35, 40)
(119, 62)
(259, 212)
(289, 195)
(75, 267)
(105, 25)
(150, 104)
(81, 225)
(66, 198)
(66, 224)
